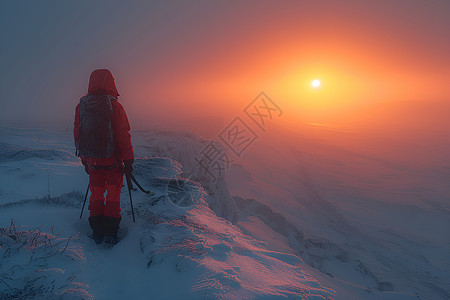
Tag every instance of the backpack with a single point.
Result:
(96, 138)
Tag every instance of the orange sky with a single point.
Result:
(362, 55)
(193, 59)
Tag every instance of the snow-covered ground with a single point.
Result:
(175, 250)
(316, 213)
(373, 210)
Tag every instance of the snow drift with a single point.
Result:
(314, 220)
(177, 249)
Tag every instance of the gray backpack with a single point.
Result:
(96, 139)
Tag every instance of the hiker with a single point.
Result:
(103, 143)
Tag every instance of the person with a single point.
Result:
(103, 142)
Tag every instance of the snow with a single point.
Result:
(184, 147)
(171, 252)
(314, 219)
(372, 209)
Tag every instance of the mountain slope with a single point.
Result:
(175, 250)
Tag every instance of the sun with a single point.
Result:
(315, 83)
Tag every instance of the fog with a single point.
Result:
(201, 62)
(351, 176)
(195, 66)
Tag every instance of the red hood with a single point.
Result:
(102, 82)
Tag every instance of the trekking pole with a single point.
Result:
(130, 187)
(87, 191)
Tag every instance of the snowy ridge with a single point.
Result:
(175, 250)
(16, 153)
(319, 253)
(299, 226)
(183, 147)
(364, 238)
(221, 260)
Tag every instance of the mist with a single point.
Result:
(256, 183)
(187, 61)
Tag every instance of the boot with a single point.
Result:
(111, 226)
(97, 225)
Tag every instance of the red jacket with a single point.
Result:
(101, 83)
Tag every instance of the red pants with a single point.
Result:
(100, 181)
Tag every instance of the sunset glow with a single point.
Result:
(279, 149)
(315, 83)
